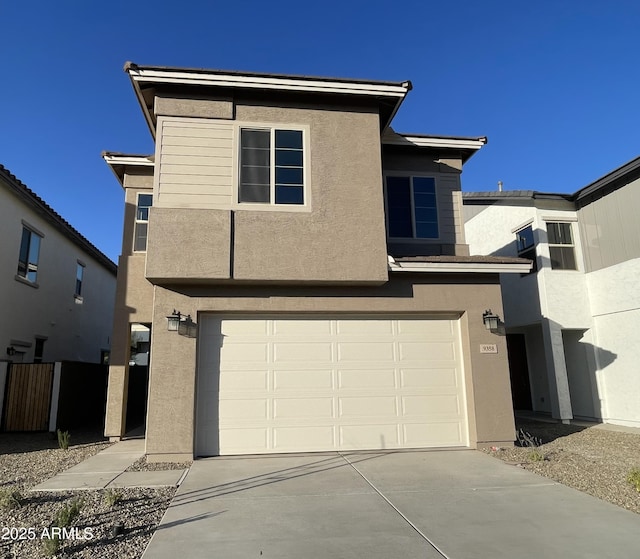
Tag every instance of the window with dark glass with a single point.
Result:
(526, 245)
(29, 254)
(271, 166)
(412, 210)
(145, 201)
(79, 279)
(561, 247)
(38, 352)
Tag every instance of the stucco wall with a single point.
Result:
(170, 421)
(615, 303)
(73, 329)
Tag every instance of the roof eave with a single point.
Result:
(214, 78)
(460, 267)
(118, 162)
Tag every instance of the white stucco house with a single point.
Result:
(572, 323)
(57, 289)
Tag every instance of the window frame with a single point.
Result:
(411, 177)
(26, 228)
(80, 270)
(137, 221)
(271, 205)
(571, 245)
(529, 250)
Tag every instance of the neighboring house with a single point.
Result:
(316, 264)
(58, 290)
(572, 323)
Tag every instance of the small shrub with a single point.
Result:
(634, 478)
(527, 440)
(68, 513)
(63, 439)
(112, 497)
(50, 547)
(10, 499)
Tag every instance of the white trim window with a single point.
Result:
(412, 208)
(272, 166)
(145, 201)
(29, 255)
(561, 246)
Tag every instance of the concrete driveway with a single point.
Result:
(454, 504)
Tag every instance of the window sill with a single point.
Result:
(25, 281)
(254, 207)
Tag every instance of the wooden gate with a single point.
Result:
(28, 397)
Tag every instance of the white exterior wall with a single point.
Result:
(73, 331)
(616, 316)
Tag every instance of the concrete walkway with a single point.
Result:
(434, 505)
(107, 469)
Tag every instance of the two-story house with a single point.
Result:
(57, 288)
(571, 323)
(303, 272)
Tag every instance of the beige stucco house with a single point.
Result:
(317, 265)
(57, 289)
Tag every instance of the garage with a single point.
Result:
(300, 383)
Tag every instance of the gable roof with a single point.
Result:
(31, 199)
(146, 80)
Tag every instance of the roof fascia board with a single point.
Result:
(607, 179)
(437, 142)
(123, 160)
(460, 267)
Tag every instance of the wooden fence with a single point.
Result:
(28, 397)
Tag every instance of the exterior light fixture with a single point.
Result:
(11, 350)
(173, 321)
(490, 320)
(188, 327)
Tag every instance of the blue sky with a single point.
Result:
(554, 85)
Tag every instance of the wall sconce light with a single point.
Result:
(173, 321)
(11, 351)
(184, 325)
(187, 327)
(490, 320)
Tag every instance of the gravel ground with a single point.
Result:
(592, 459)
(27, 459)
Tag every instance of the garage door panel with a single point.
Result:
(381, 351)
(435, 404)
(294, 383)
(244, 380)
(244, 352)
(419, 435)
(302, 328)
(358, 329)
(380, 406)
(243, 441)
(422, 378)
(369, 436)
(296, 379)
(366, 378)
(303, 438)
(245, 410)
(416, 351)
(294, 408)
(302, 351)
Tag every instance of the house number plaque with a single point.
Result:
(488, 348)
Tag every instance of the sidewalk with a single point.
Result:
(107, 469)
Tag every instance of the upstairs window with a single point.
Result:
(145, 201)
(526, 245)
(412, 210)
(29, 254)
(271, 166)
(79, 279)
(561, 247)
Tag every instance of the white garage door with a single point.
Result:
(296, 384)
